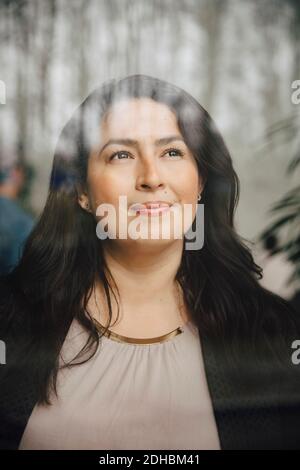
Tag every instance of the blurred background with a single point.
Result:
(238, 58)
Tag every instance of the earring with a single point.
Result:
(199, 197)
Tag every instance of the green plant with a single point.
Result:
(286, 226)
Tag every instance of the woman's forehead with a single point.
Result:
(139, 116)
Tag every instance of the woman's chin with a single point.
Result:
(143, 244)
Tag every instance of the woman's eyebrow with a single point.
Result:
(134, 143)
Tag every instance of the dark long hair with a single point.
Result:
(63, 256)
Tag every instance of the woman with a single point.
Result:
(143, 342)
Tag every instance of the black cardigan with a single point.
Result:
(256, 405)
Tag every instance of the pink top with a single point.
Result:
(128, 396)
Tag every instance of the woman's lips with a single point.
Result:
(149, 209)
(152, 211)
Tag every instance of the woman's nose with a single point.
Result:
(149, 176)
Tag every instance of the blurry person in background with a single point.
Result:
(15, 222)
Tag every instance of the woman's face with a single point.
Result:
(142, 156)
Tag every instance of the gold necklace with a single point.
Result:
(126, 339)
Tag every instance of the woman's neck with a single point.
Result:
(140, 274)
(150, 299)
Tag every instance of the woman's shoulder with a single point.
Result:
(18, 392)
(258, 357)
(281, 322)
(275, 316)
(18, 396)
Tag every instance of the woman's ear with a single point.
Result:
(83, 201)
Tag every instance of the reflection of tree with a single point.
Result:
(55, 51)
(21, 32)
(288, 222)
(286, 226)
(211, 16)
(84, 45)
(295, 31)
(45, 58)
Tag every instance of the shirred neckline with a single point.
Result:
(126, 339)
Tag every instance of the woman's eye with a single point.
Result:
(178, 152)
(173, 153)
(118, 153)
